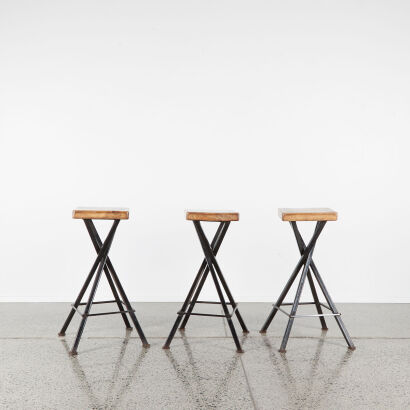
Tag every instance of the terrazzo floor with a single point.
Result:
(202, 369)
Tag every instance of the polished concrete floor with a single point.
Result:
(202, 369)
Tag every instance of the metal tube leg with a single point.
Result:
(207, 251)
(78, 300)
(316, 300)
(309, 276)
(130, 310)
(295, 304)
(194, 298)
(200, 277)
(85, 286)
(201, 273)
(124, 297)
(231, 299)
(105, 250)
(292, 278)
(97, 245)
(87, 308)
(329, 300)
(215, 245)
(226, 288)
(334, 310)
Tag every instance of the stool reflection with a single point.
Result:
(307, 393)
(194, 384)
(119, 384)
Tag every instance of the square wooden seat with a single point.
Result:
(307, 214)
(100, 213)
(212, 216)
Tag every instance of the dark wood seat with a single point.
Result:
(212, 216)
(307, 214)
(100, 213)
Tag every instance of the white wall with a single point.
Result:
(166, 105)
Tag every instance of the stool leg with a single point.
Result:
(330, 302)
(208, 255)
(228, 292)
(95, 238)
(85, 286)
(105, 249)
(127, 303)
(200, 278)
(316, 300)
(215, 245)
(334, 309)
(301, 247)
(295, 303)
(130, 310)
(293, 276)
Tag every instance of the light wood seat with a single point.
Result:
(212, 216)
(307, 214)
(100, 213)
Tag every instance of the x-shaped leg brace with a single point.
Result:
(308, 266)
(209, 264)
(102, 263)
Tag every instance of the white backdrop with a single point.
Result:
(166, 105)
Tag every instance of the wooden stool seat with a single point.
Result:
(212, 216)
(307, 214)
(100, 213)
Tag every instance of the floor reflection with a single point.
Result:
(195, 380)
(316, 384)
(118, 380)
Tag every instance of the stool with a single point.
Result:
(210, 264)
(102, 263)
(321, 216)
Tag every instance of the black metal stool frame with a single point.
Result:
(306, 261)
(209, 264)
(101, 263)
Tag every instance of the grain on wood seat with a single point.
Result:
(100, 213)
(307, 214)
(212, 216)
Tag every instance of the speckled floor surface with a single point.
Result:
(202, 369)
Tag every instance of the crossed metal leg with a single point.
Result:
(308, 266)
(209, 264)
(102, 263)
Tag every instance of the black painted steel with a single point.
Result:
(102, 263)
(301, 246)
(97, 245)
(291, 280)
(209, 265)
(107, 245)
(211, 261)
(329, 300)
(84, 288)
(204, 270)
(306, 260)
(122, 293)
(202, 273)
